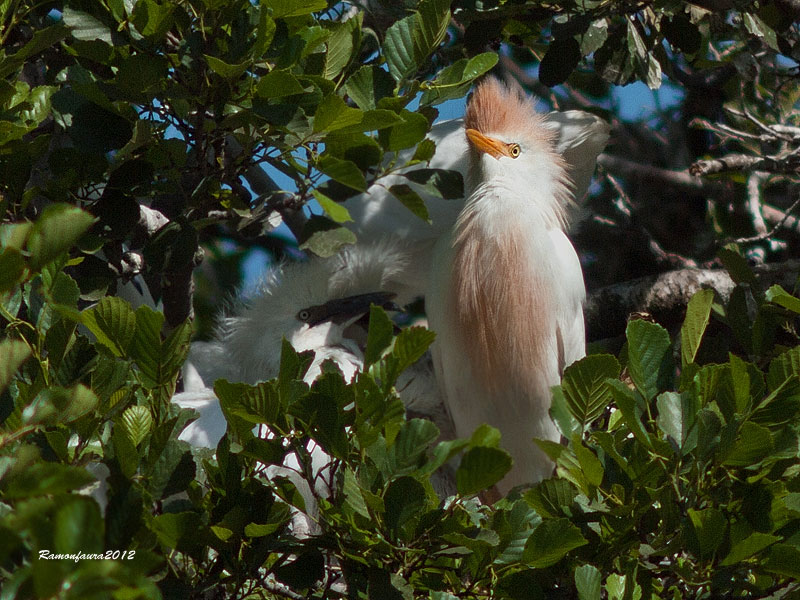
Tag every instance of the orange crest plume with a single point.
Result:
(495, 107)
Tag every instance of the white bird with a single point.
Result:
(506, 289)
(314, 305)
(579, 137)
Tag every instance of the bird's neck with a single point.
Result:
(499, 287)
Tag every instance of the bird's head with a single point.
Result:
(311, 304)
(508, 140)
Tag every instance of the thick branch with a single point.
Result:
(665, 296)
(263, 185)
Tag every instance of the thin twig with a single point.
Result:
(787, 165)
(768, 234)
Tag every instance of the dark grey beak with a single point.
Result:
(342, 310)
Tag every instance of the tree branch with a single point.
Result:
(679, 180)
(666, 295)
(263, 185)
(787, 165)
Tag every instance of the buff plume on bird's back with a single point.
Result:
(506, 290)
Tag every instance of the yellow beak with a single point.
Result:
(490, 146)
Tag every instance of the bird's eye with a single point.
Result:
(514, 150)
(303, 315)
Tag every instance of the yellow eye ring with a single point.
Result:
(514, 150)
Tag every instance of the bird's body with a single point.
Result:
(314, 305)
(506, 290)
(578, 137)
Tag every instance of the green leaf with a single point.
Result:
(424, 152)
(782, 367)
(677, 414)
(481, 468)
(125, 452)
(562, 415)
(454, 80)
(441, 183)
(409, 346)
(337, 212)
(278, 84)
(649, 360)
(14, 235)
(753, 444)
(44, 478)
(709, 529)
(560, 60)
(282, 9)
(85, 26)
(758, 28)
(694, 325)
(552, 497)
(332, 114)
(368, 85)
(737, 266)
(738, 384)
(59, 227)
(410, 41)
(345, 172)
(631, 414)
(588, 582)
(398, 48)
(112, 322)
(594, 37)
(777, 295)
(744, 549)
(225, 70)
(13, 353)
(411, 200)
(404, 499)
(379, 335)
(178, 531)
(341, 45)
(55, 405)
(152, 19)
(585, 389)
(137, 421)
(430, 27)
(253, 404)
(411, 443)
(78, 526)
(550, 542)
(783, 559)
(406, 134)
(324, 237)
(591, 467)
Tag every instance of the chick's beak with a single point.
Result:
(342, 310)
(482, 143)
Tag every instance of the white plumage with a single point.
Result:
(314, 305)
(506, 290)
(579, 137)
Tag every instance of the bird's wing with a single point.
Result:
(570, 327)
(582, 137)
(378, 215)
(209, 361)
(208, 429)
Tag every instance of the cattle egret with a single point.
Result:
(314, 305)
(578, 137)
(506, 289)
